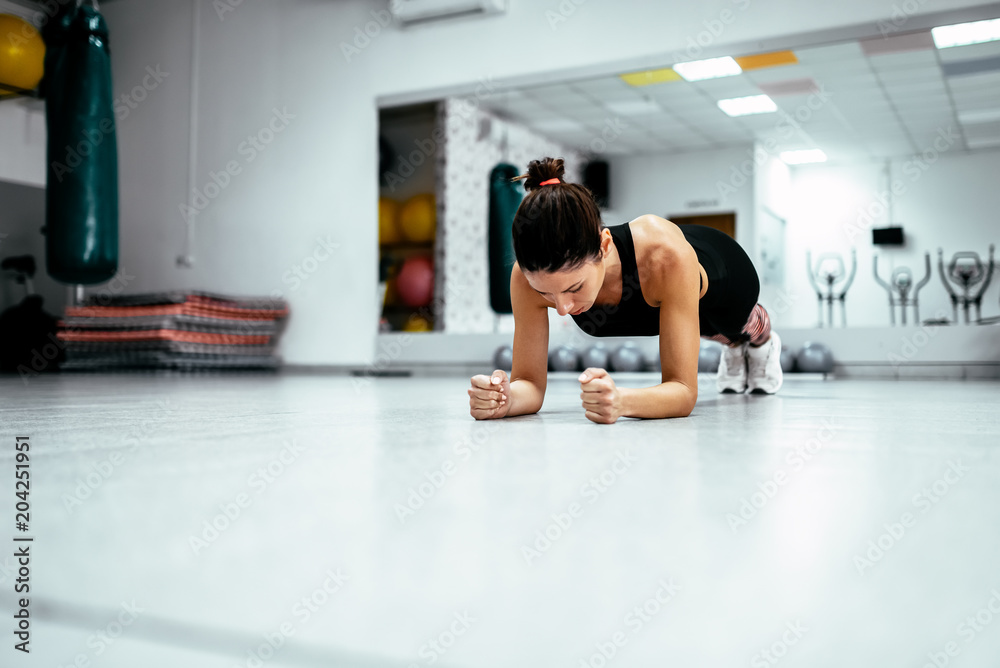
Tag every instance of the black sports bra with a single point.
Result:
(631, 316)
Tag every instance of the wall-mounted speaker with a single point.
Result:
(596, 178)
(888, 236)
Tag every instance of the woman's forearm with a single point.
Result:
(670, 399)
(525, 397)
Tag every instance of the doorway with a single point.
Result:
(724, 222)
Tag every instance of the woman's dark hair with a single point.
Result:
(557, 226)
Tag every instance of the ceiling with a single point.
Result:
(875, 98)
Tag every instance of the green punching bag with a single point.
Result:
(81, 198)
(505, 198)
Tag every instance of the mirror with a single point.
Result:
(811, 151)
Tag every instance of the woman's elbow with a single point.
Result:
(688, 402)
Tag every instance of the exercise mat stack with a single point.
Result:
(173, 330)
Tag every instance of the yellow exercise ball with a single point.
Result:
(417, 323)
(388, 217)
(22, 54)
(418, 218)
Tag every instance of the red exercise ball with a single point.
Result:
(415, 283)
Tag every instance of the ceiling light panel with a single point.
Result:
(712, 68)
(962, 34)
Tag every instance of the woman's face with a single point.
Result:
(572, 291)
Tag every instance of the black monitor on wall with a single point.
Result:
(888, 236)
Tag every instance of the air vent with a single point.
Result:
(409, 13)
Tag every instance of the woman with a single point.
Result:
(641, 278)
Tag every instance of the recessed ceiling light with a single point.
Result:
(802, 157)
(966, 33)
(743, 106)
(713, 68)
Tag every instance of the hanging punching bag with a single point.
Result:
(81, 198)
(505, 197)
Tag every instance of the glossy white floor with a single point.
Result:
(374, 523)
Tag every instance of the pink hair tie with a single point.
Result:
(549, 182)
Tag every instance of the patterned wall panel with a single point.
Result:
(474, 142)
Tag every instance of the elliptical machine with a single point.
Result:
(900, 283)
(831, 276)
(966, 270)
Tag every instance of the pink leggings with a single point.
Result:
(756, 331)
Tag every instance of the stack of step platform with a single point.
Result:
(173, 330)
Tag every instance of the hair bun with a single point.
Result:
(542, 170)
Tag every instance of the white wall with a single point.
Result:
(316, 183)
(305, 201)
(683, 184)
(772, 188)
(950, 201)
(22, 136)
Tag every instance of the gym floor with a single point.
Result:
(328, 520)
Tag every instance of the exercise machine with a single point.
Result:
(830, 272)
(899, 286)
(966, 271)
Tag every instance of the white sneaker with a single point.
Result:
(732, 374)
(764, 374)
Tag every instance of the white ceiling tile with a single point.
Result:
(832, 53)
(906, 60)
(915, 75)
(727, 87)
(780, 73)
(673, 90)
(975, 81)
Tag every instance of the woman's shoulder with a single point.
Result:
(660, 250)
(655, 238)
